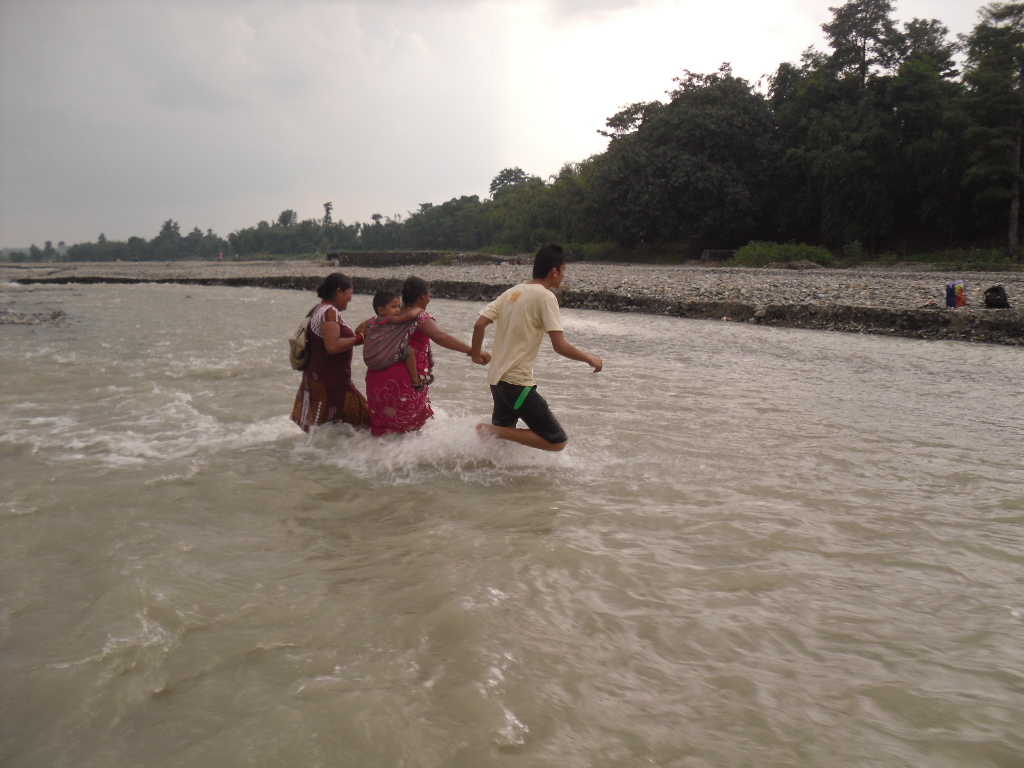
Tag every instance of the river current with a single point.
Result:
(762, 547)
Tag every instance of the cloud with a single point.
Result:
(117, 115)
(195, 107)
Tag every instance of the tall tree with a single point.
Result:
(926, 101)
(457, 223)
(863, 37)
(629, 119)
(509, 177)
(927, 40)
(694, 169)
(166, 246)
(995, 76)
(861, 125)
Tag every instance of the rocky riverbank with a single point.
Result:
(895, 302)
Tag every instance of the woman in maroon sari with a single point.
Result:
(395, 406)
(326, 393)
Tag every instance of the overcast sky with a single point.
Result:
(116, 115)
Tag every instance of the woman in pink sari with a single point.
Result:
(395, 406)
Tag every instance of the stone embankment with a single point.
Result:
(895, 302)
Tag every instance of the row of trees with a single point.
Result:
(289, 235)
(286, 236)
(884, 141)
(168, 245)
(35, 253)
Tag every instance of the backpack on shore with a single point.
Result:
(996, 298)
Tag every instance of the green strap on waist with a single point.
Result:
(521, 399)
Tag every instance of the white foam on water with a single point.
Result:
(512, 733)
(203, 436)
(194, 366)
(446, 446)
(126, 427)
(132, 433)
(191, 470)
(138, 636)
(16, 509)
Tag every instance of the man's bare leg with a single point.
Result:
(522, 436)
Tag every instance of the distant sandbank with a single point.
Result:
(895, 302)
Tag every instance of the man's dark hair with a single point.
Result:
(412, 289)
(550, 256)
(382, 299)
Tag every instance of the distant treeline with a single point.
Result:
(896, 139)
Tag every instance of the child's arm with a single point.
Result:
(407, 316)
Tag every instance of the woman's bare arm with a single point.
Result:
(334, 342)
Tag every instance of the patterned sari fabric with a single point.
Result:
(326, 393)
(386, 342)
(394, 405)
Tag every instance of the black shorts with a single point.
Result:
(533, 410)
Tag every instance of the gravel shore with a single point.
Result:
(899, 302)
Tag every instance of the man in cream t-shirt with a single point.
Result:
(522, 316)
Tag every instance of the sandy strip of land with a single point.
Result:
(901, 302)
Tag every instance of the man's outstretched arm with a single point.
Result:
(479, 329)
(565, 349)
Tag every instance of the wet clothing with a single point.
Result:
(387, 342)
(522, 316)
(326, 392)
(533, 410)
(394, 405)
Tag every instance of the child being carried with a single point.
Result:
(387, 337)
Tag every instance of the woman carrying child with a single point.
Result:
(396, 404)
(387, 337)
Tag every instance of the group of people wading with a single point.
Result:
(399, 360)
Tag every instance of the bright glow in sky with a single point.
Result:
(116, 115)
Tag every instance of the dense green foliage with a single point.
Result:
(758, 254)
(882, 144)
(169, 245)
